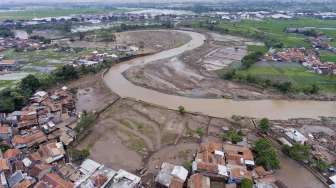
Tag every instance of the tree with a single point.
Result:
(79, 155)
(29, 84)
(266, 155)
(182, 110)
(264, 125)
(66, 72)
(233, 136)
(246, 183)
(297, 152)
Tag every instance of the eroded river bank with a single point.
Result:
(273, 109)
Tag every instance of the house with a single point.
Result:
(12, 154)
(171, 176)
(295, 136)
(198, 181)
(55, 181)
(4, 166)
(8, 65)
(124, 179)
(52, 152)
(27, 183)
(22, 141)
(210, 161)
(5, 133)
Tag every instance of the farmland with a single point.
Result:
(299, 76)
(52, 12)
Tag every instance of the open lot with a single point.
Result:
(141, 135)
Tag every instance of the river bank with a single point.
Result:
(273, 109)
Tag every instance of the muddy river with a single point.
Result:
(273, 109)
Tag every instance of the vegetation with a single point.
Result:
(85, 122)
(181, 110)
(321, 165)
(234, 136)
(52, 12)
(4, 32)
(264, 125)
(78, 156)
(297, 152)
(246, 183)
(328, 57)
(250, 59)
(266, 155)
(285, 78)
(200, 131)
(188, 165)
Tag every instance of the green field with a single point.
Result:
(299, 76)
(275, 29)
(43, 57)
(53, 12)
(328, 57)
(6, 83)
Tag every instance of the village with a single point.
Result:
(37, 144)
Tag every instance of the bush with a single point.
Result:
(200, 131)
(264, 125)
(79, 156)
(85, 122)
(233, 136)
(251, 58)
(297, 152)
(182, 110)
(246, 183)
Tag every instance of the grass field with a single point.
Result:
(275, 29)
(43, 57)
(295, 73)
(328, 57)
(6, 83)
(56, 12)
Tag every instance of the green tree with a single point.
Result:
(29, 84)
(79, 156)
(246, 183)
(297, 152)
(65, 73)
(233, 136)
(264, 125)
(182, 110)
(266, 155)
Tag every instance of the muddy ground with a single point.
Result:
(91, 93)
(152, 40)
(193, 74)
(133, 135)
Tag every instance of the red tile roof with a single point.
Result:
(11, 153)
(56, 181)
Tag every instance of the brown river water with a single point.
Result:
(224, 108)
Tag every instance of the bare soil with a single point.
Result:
(193, 74)
(92, 94)
(153, 40)
(133, 135)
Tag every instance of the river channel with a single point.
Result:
(224, 108)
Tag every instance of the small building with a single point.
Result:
(198, 181)
(8, 65)
(171, 176)
(295, 136)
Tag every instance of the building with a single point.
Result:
(295, 136)
(52, 152)
(5, 133)
(198, 181)
(171, 176)
(54, 180)
(8, 65)
(28, 140)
